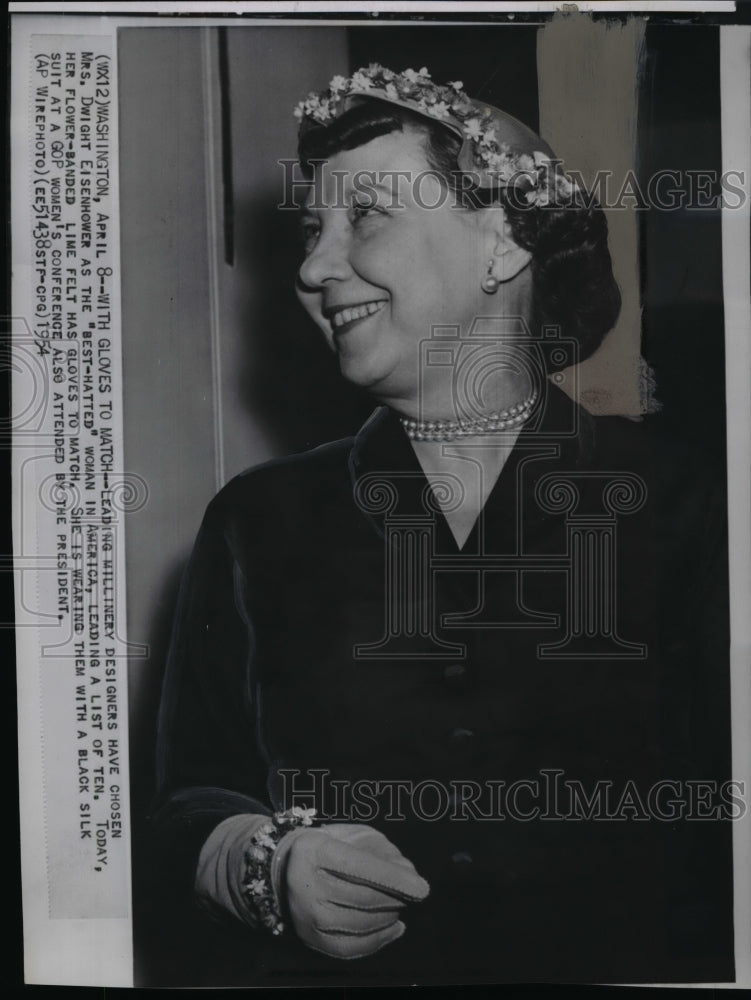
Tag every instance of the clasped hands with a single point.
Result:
(344, 886)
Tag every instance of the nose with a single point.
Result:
(327, 261)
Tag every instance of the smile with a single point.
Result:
(348, 314)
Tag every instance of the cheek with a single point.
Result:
(312, 306)
(375, 261)
(311, 303)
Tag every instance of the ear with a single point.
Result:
(509, 258)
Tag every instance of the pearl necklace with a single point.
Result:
(449, 430)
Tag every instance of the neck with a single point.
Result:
(470, 375)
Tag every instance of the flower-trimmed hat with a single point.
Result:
(497, 149)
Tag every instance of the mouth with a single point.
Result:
(343, 318)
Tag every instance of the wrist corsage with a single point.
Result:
(256, 883)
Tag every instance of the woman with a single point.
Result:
(423, 679)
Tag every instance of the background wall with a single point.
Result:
(167, 366)
(589, 82)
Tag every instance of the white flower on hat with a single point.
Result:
(541, 159)
(564, 186)
(316, 108)
(457, 85)
(473, 129)
(439, 110)
(500, 165)
(306, 816)
(338, 84)
(362, 82)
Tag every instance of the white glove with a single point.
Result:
(344, 885)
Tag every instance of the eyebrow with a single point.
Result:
(388, 188)
(392, 190)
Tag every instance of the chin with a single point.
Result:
(362, 375)
(373, 375)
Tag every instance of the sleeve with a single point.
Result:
(221, 863)
(209, 766)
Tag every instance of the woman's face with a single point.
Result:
(382, 269)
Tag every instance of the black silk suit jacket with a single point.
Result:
(315, 649)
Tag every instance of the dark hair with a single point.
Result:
(573, 283)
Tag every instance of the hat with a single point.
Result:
(497, 149)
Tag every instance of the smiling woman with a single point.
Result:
(411, 259)
(407, 666)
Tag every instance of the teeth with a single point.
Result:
(356, 312)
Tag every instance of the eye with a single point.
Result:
(365, 209)
(310, 230)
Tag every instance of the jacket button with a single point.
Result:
(462, 873)
(455, 675)
(460, 738)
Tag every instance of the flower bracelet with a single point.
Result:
(256, 883)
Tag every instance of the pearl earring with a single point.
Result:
(489, 283)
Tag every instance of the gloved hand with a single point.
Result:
(344, 885)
